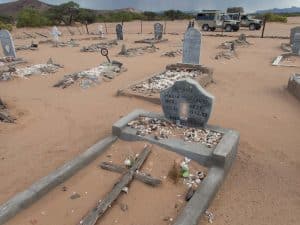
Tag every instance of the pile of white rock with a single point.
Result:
(92, 76)
(162, 81)
(162, 129)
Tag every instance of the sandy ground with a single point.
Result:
(162, 202)
(55, 125)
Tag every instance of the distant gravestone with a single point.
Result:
(191, 46)
(293, 32)
(296, 44)
(119, 31)
(7, 44)
(158, 31)
(187, 103)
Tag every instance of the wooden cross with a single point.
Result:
(128, 175)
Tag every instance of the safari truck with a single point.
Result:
(210, 20)
(246, 20)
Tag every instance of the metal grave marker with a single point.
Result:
(296, 44)
(294, 30)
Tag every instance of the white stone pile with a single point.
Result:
(162, 129)
(162, 81)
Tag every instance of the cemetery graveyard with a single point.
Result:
(233, 123)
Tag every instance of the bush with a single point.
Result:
(32, 18)
(270, 17)
(119, 16)
(5, 26)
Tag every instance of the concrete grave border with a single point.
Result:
(219, 161)
(204, 80)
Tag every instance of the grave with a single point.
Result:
(119, 31)
(149, 89)
(7, 44)
(98, 46)
(184, 131)
(91, 77)
(294, 85)
(287, 47)
(129, 52)
(296, 44)
(158, 36)
(9, 73)
(191, 46)
(287, 60)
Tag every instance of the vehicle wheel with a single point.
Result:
(205, 27)
(212, 28)
(252, 26)
(228, 28)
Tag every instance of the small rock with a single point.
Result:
(75, 196)
(124, 207)
(125, 189)
(189, 194)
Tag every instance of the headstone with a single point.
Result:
(100, 31)
(55, 34)
(158, 31)
(187, 103)
(119, 31)
(293, 32)
(7, 44)
(296, 44)
(191, 46)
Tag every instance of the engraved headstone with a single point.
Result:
(158, 31)
(187, 103)
(7, 44)
(294, 30)
(119, 31)
(191, 46)
(296, 44)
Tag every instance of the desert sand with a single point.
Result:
(54, 125)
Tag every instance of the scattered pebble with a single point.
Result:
(75, 196)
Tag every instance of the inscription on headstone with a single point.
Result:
(293, 32)
(296, 44)
(158, 31)
(187, 103)
(191, 46)
(119, 31)
(7, 44)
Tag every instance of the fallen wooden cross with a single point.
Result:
(128, 176)
(29, 35)
(147, 179)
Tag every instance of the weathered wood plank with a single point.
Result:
(147, 179)
(102, 206)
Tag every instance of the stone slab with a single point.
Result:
(191, 46)
(7, 44)
(187, 103)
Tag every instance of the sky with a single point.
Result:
(185, 5)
